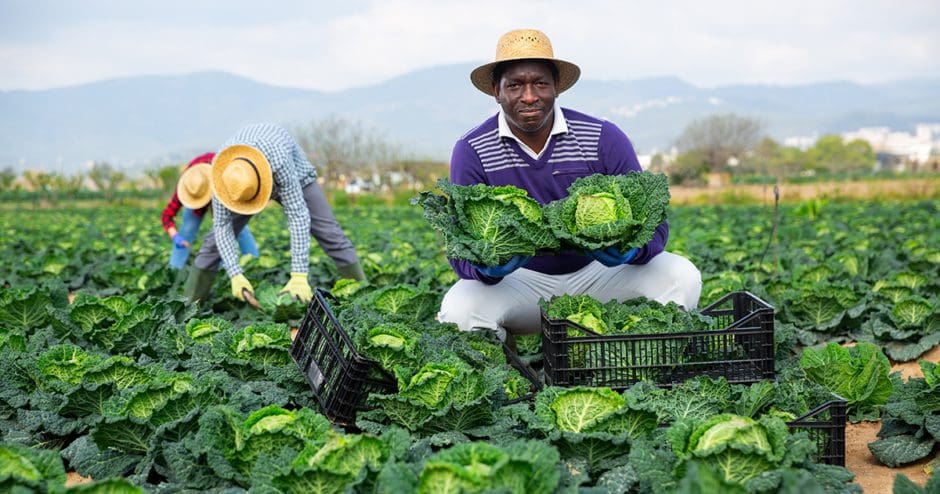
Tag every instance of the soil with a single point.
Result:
(72, 479)
(874, 477)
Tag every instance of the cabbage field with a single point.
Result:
(109, 374)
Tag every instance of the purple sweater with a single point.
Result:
(590, 146)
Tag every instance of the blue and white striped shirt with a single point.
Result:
(291, 171)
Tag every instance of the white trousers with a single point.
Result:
(512, 304)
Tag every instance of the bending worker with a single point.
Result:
(193, 194)
(262, 162)
(534, 144)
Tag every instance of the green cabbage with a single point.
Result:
(603, 211)
(487, 225)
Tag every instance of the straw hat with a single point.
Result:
(242, 179)
(193, 188)
(525, 44)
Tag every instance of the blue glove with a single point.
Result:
(612, 256)
(500, 271)
(180, 242)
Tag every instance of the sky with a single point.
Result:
(332, 45)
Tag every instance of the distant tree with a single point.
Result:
(689, 168)
(7, 177)
(40, 183)
(164, 178)
(832, 154)
(769, 158)
(345, 147)
(715, 139)
(37, 181)
(67, 186)
(106, 178)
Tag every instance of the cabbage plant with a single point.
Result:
(738, 448)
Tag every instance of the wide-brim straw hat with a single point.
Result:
(525, 44)
(193, 187)
(242, 179)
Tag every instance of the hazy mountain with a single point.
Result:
(144, 121)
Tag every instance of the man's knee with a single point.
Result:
(468, 310)
(687, 279)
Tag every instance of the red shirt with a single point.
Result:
(173, 207)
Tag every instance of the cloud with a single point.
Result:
(357, 43)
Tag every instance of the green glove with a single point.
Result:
(239, 283)
(299, 287)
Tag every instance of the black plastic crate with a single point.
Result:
(341, 378)
(825, 425)
(742, 352)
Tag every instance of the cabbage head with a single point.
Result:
(737, 448)
(579, 309)
(604, 211)
(487, 225)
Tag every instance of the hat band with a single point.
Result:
(257, 176)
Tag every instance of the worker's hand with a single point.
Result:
(513, 264)
(612, 256)
(179, 241)
(298, 287)
(239, 283)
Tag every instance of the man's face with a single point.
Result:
(526, 91)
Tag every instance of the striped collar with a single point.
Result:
(559, 126)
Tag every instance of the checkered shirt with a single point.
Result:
(292, 171)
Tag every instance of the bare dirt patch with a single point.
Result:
(912, 369)
(73, 478)
(869, 473)
(874, 477)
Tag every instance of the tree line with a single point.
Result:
(733, 144)
(345, 150)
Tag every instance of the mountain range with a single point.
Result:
(140, 122)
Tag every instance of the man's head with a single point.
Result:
(518, 45)
(193, 188)
(242, 179)
(526, 91)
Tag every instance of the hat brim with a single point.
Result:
(568, 74)
(242, 152)
(192, 201)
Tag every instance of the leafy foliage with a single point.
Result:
(486, 225)
(859, 374)
(603, 211)
(910, 430)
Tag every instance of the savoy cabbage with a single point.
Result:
(603, 211)
(486, 225)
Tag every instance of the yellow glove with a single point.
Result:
(239, 282)
(299, 287)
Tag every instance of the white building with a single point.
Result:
(916, 147)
